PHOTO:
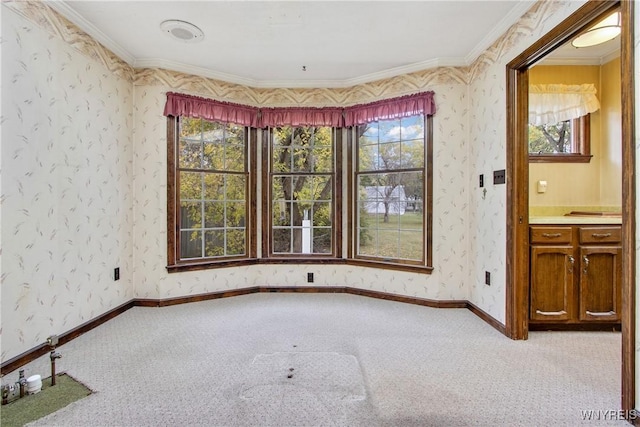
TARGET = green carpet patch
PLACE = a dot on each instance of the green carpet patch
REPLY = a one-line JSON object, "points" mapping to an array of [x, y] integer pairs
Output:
{"points": [[50, 399]]}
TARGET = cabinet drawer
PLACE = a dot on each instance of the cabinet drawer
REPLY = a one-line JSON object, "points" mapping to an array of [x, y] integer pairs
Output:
{"points": [[600, 234], [552, 235]]}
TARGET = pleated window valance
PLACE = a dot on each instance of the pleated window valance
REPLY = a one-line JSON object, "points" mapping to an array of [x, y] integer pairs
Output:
{"points": [[554, 103], [193, 106], [394, 108]]}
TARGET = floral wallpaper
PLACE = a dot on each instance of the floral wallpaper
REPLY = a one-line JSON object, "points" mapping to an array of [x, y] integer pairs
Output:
{"points": [[487, 144], [67, 186]]}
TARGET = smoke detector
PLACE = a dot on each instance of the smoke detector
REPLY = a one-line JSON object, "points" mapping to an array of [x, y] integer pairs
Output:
{"points": [[182, 31]]}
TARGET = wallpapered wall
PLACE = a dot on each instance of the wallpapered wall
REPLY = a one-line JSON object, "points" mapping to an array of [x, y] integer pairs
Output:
{"points": [[84, 180], [450, 213], [67, 186], [488, 153]]}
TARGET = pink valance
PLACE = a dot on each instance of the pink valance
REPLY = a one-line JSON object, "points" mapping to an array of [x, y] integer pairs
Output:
{"points": [[403, 106], [272, 117], [193, 106]]}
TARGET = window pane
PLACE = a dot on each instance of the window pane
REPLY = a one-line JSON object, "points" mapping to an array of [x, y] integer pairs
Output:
{"points": [[213, 132], [189, 154], [367, 240], [412, 127], [213, 214], [368, 158], [235, 134], [282, 240], [190, 185], [214, 243], [235, 187], [389, 156], [190, 215], [550, 138], [322, 188], [322, 159], [235, 242], [190, 128], [389, 130], [388, 243], [235, 214], [213, 186], [321, 240], [234, 158], [411, 246], [412, 154], [213, 156], [281, 213], [281, 160], [320, 214], [190, 244]]}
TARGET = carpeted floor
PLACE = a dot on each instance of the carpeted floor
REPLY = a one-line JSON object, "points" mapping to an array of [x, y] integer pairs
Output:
{"points": [[331, 360]]}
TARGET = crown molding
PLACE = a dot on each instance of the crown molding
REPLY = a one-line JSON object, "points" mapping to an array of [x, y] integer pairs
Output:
{"points": [[63, 8], [595, 60], [499, 30], [68, 12], [610, 57], [275, 84]]}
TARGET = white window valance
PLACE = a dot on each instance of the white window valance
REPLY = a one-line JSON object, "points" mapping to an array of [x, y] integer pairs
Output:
{"points": [[553, 103]]}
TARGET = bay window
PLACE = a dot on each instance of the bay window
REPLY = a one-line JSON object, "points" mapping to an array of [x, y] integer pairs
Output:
{"points": [[215, 216]]}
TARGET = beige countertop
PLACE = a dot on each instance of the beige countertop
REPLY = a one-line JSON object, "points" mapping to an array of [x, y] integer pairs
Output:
{"points": [[577, 220]]}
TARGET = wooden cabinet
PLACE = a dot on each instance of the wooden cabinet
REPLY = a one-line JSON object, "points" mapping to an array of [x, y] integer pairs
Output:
{"points": [[575, 274]]}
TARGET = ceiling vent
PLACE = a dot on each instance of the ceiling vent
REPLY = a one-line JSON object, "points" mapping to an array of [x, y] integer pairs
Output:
{"points": [[182, 31]]}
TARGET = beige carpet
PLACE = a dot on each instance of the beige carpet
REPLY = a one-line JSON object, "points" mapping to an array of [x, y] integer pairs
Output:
{"points": [[331, 360]]}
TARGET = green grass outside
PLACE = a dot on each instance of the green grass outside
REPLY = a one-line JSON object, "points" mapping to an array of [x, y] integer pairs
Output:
{"points": [[401, 237]]}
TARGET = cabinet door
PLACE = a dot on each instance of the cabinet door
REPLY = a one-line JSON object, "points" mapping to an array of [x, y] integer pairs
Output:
{"points": [[600, 276], [551, 283]]}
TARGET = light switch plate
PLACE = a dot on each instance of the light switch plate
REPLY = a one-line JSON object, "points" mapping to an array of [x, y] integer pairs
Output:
{"points": [[542, 186]]}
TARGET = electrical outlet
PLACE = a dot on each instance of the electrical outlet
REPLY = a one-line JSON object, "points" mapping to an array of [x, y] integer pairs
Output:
{"points": [[499, 177], [481, 180], [487, 278], [116, 273], [309, 277]]}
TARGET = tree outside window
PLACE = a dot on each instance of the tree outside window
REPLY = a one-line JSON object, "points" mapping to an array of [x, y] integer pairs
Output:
{"points": [[212, 177], [390, 186], [566, 141], [302, 190]]}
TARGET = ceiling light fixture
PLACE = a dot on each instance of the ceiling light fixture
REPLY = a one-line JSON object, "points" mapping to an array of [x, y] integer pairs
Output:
{"points": [[605, 30], [182, 31]]}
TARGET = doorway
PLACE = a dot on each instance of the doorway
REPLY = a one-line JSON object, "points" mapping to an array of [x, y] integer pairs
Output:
{"points": [[517, 288]]}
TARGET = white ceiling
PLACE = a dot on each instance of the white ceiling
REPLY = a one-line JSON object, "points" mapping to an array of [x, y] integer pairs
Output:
{"points": [[267, 43]]}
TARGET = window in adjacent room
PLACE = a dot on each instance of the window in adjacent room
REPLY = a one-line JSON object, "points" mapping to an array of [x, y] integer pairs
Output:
{"points": [[568, 140], [560, 122], [390, 188]]}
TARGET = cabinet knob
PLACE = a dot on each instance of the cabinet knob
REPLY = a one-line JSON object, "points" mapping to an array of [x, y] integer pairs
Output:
{"points": [[572, 261], [585, 261]]}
